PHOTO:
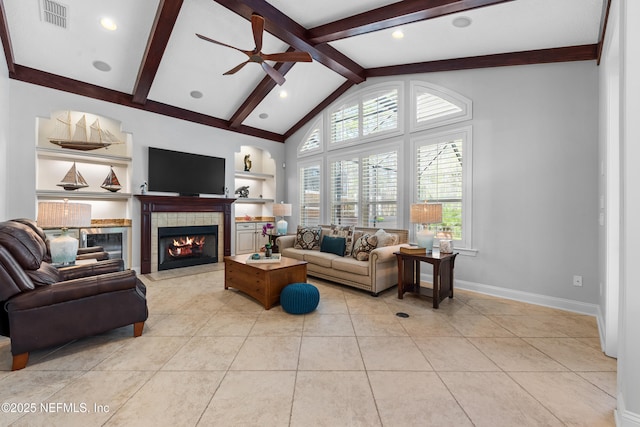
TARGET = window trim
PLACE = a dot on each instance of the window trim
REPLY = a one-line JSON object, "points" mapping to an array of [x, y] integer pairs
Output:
{"points": [[466, 132], [453, 97], [360, 96]]}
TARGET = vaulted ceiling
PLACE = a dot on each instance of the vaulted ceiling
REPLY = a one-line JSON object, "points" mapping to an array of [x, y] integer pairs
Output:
{"points": [[154, 61]]}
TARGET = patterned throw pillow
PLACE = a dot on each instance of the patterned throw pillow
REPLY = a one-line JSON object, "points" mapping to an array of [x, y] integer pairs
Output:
{"points": [[345, 231], [386, 239], [307, 237], [364, 245]]}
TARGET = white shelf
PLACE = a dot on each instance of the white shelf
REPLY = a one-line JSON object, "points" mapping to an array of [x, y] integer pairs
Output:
{"points": [[253, 175], [251, 200], [83, 156], [89, 195]]}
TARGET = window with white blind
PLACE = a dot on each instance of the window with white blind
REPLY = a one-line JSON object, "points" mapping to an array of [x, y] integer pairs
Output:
{"points": [[310, 182], [311, 143], [433, 106], [372, 113], [364, 190], [380, 190], [442, 173], [344, 189]]}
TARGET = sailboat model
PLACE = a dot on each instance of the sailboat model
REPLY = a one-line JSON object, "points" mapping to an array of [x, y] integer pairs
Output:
{"points": [[73, 180], [111, 182], [76, 137]]}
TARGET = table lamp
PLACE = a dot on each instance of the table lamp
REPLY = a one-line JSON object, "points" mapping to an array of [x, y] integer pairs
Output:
{"points": [[282, 209], [64, 215], [425, 214]]}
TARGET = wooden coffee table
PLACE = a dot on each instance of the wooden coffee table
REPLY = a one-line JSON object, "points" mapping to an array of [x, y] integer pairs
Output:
{"points": [[263, 282]]}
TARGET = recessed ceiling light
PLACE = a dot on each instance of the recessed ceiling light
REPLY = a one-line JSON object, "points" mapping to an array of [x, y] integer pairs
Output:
{"points": [[283, 94], [461, 22], [196, 94], [397, 34], [108, 24], [102, 66], [263, 115]]}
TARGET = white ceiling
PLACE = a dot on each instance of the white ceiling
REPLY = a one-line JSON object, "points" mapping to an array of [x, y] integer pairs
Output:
{"points": [[191, 64]]}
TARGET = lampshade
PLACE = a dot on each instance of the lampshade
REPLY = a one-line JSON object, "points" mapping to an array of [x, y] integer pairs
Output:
{"points": [[426, 213], [64, 214], [281, 209], [64, 248]]}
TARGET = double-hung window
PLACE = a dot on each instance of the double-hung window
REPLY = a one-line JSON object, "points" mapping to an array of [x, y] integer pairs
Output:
{"points": [[363, 189], [310, 181], [442, 173]]}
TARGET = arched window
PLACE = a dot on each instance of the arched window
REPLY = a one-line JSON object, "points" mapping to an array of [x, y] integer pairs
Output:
{"points": [[433, 106], [312, 142]]}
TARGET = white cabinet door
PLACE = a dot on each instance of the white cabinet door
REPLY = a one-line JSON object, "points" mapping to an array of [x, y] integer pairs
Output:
{"points": [[245, 238]]}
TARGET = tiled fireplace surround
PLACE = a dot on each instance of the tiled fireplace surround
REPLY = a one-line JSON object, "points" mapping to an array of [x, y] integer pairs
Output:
{"points": [[167, 211]]}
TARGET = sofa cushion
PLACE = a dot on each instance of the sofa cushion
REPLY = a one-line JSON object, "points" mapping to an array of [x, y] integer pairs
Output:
{"points": [[364, 245], [333, 245], [307, 237], [351, 265], [45, 275], [293, 253], [23, 244], [320, 258], [386, 239], [347, 232]]}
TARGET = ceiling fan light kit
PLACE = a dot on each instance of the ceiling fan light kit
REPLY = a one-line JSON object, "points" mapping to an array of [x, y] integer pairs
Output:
{"points": [[256, 55]]}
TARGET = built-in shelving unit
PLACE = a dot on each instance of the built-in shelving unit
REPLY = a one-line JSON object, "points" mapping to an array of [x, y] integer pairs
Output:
{"points": [[53, 162], [260, 179]]}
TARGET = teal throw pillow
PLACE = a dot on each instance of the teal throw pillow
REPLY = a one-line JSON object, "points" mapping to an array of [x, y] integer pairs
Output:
{"points": [[333, 245]]}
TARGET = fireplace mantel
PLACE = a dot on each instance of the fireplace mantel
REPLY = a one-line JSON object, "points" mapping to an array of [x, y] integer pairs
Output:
{"points": [[150, 204]]}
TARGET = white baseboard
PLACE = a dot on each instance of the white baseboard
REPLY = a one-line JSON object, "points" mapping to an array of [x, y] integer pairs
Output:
{"points": [[623, 417], [528, 297]]}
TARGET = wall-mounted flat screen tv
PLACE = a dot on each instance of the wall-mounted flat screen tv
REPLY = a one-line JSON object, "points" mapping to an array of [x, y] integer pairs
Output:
{"points": [[185, 173]]}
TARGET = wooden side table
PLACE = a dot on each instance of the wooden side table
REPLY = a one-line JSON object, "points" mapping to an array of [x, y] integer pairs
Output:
{"points": [[409, 274]]}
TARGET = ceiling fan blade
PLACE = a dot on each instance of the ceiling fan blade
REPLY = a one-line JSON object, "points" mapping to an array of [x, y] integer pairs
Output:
{"points": [[288, 57], [273, 73], [248, 53], [257, 26], [236, 68]]}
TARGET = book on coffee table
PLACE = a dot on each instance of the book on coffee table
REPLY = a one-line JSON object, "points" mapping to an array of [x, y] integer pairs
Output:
{"points": [[263, 259]]}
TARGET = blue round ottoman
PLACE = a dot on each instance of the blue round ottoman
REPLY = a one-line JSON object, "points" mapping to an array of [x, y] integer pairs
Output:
{"points": [[299, 298]]}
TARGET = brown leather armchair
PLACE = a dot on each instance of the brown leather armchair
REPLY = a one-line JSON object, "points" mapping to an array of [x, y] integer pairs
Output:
{"points": [[43, 306]]}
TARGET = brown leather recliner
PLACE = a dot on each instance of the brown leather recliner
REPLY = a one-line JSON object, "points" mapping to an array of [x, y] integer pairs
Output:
{"points": [[43, 306]]}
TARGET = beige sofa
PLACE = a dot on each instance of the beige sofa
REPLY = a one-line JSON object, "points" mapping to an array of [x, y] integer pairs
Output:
{"points": [[380, 272]]}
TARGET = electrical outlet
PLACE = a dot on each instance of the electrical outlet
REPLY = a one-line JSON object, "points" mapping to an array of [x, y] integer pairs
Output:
{"points": [[577, 280]]}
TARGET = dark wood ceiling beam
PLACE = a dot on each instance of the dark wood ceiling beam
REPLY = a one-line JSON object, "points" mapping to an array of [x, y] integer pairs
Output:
{"points": [[541, 56], [393, 15], [6, 40], [292, 33], [603, 27], [318, 109], [41, 78], [259, 93], [163, 24]]}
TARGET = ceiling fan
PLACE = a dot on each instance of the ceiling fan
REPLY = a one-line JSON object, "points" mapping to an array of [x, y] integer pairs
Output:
{"points": [[256, 55]]}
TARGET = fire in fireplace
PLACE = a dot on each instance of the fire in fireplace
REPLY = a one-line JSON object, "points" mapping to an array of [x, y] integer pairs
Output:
{"points": [[187, 246]]}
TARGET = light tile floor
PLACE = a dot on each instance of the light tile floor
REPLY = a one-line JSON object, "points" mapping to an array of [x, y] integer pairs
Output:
{"points": [[211, 357]]}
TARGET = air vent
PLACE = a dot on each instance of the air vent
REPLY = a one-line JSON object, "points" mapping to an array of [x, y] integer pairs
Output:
{"points": [[54, 13]]}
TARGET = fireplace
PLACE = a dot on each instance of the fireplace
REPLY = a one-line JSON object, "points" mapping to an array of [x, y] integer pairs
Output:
{"points": [[169, 211], [187, 246]]}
